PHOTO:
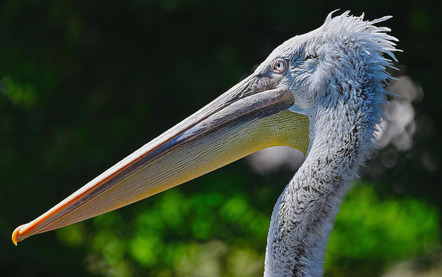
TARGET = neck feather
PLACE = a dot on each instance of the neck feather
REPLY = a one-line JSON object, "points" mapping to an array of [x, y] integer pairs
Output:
{"points": [[304, 213]]}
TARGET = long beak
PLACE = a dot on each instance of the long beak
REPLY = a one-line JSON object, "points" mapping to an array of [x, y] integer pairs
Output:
{"points": [[245, 119]]}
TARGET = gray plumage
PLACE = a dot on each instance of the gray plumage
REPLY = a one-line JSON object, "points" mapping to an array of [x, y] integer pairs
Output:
{"points": [[336, 74]]}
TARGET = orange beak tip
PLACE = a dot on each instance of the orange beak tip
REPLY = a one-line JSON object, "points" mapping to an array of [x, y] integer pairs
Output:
{"points": [[15, 235]]}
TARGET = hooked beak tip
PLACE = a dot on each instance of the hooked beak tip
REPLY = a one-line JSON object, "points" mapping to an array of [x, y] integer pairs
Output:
{"points": [[16, 234]]}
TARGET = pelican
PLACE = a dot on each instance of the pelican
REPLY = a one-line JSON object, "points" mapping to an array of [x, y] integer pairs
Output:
{"points": [[321, 93]]}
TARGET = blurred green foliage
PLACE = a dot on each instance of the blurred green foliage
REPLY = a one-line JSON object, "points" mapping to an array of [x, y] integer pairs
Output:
{"points": [[370, 234], [84, 83], [183, 236]]}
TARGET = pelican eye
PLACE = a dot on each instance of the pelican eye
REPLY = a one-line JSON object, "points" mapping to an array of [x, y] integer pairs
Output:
{"points": [[279, 66]]}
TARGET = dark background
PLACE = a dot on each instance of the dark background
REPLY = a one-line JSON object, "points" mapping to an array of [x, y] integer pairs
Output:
{"points": [[84, 83]]}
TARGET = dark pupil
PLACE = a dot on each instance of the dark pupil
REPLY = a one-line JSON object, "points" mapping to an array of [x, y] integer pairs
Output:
{"points": [[279, 65]]}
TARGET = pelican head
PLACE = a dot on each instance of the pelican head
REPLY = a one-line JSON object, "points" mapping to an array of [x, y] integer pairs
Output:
{"points": [[319, 93]]}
